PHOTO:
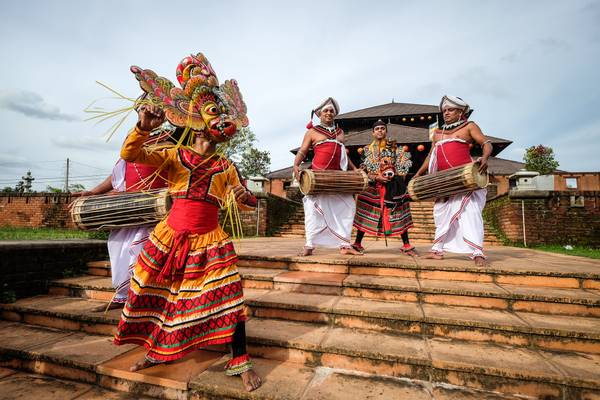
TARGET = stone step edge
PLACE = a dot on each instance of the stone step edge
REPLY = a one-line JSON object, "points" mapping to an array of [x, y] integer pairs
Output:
{"points": [[139, 387], [467, 267], [397, 289], [475, 371], [331, 314]]}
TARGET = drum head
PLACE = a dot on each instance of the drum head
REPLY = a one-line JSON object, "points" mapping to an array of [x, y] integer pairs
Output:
{"points": [[306, 181], [481, 180]]}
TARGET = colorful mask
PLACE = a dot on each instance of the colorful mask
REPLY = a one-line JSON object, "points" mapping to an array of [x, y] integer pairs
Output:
{"points": [[201, 104], [387, 159]]}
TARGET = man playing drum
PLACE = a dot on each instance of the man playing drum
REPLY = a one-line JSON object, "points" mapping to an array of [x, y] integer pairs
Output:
{"points": [[125, 244], [327, 217], [383, 209], [458, 219]]}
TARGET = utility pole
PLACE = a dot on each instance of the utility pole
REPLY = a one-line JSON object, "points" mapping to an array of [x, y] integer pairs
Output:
{"points": [[67, 177]]}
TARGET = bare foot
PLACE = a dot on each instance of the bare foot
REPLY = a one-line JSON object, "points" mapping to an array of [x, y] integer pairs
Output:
{"points": [[433, 256], [251, 380], [350, 251], [141, 365], [358, 247], [307, 251], [410, 252], [110, 306], [480, 261]]}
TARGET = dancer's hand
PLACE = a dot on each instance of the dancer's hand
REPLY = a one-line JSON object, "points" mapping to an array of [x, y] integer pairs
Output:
{"points": [[150, 117], [240, 193]]}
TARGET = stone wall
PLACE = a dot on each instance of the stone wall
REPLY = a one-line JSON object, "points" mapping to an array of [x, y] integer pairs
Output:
{"points": [[26, 267], [557, 217]]}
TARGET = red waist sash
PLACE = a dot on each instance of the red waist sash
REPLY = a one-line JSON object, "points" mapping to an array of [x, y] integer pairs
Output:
{"points": [[187, 217], [452, 154], [327, 156]]}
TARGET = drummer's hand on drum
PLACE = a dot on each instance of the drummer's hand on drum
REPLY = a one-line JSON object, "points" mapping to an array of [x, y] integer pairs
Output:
{"points": [[483, 161], [240, 193], [150, 117], [82, 193], [297, 172]]}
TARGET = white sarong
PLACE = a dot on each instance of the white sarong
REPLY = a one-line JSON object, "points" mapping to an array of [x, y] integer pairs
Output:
{"points": [[328, 218], [458, 220], [125, 244]]}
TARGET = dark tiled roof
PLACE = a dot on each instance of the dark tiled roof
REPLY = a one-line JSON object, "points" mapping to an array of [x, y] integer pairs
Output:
{"points": [[405, 135], [501, 166], [401, 134], [286, 173], [389, 110]]}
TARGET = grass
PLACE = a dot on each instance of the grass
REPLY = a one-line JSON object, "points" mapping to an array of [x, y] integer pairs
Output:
{"points": [[576, 251], [9, 233]]}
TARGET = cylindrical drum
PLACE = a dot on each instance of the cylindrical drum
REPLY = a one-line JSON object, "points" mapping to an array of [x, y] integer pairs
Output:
{"points": [[114, 211], [319, 181], [462, 179]]}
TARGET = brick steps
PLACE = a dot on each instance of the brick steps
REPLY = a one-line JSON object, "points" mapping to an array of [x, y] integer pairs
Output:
{"points": [[528, 324], [92, 358], [521, 329], [86, 358], [427, 291], [393, 264]]}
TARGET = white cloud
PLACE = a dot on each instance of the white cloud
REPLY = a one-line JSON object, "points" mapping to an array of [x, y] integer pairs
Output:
{"points": [[32, 105]]}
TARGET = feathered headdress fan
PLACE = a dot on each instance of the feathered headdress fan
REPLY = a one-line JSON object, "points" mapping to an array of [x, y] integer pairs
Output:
{"points": [[199, 86]]}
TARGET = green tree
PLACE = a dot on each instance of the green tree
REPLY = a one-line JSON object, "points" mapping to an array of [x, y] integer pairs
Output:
{"points": [[540, 158], [241, 150], [76, 187], [255, 162], [8, 189], [20, 188], [238, 145], [52, 189]]}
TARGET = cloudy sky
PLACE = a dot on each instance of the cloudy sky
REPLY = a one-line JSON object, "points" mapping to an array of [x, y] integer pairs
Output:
{"points": [[529, 68]]}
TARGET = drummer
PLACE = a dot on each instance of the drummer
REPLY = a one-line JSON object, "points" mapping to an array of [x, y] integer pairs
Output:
{"points": [[383, 209], [327, 217], [458, 218], [125, 244]]}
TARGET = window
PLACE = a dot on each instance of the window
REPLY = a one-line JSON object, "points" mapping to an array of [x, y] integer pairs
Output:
{"points": [[571, 183]]}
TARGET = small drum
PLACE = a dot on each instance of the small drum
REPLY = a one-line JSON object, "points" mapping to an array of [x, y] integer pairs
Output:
{"points": [[319, 181], [114, 211], [462, 179]]}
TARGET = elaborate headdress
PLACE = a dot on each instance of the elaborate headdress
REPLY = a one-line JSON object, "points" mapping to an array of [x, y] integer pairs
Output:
{"points": [[454, 102], [379, 123], [328, 102], [200, 104]]}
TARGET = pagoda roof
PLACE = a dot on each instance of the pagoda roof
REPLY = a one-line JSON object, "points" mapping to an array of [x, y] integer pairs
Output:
{"points": [[390, 110], [403, 134]]}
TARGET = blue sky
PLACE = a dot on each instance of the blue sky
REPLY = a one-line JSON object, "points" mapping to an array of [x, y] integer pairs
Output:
{"points": [[530, 69]]}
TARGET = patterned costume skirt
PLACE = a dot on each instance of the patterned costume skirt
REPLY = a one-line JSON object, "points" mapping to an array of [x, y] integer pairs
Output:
{"points": [[196, 305], [369, 214]]}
